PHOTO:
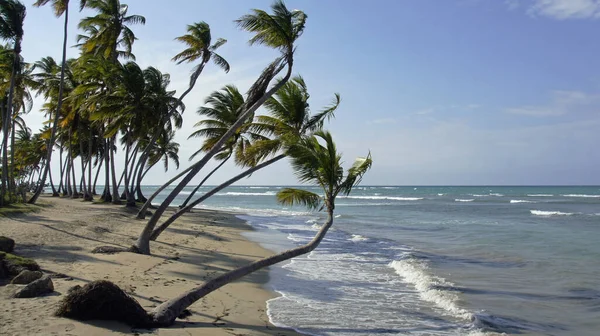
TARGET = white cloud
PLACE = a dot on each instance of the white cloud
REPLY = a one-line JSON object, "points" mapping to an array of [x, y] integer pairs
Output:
{"points": [[563, 102], [563, 9]]}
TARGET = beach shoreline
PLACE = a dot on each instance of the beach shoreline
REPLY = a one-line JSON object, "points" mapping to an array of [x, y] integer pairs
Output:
{"points": [[199, 246]]}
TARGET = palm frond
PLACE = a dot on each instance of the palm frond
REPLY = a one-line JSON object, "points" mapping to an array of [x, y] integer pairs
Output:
{"points": [[292, 196]]}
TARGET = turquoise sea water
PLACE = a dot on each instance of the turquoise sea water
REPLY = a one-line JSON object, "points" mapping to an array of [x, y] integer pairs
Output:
{"points": [[434, 260]]}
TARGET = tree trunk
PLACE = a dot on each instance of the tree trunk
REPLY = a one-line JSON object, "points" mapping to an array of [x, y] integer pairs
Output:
{"points": [[189, 198], [90, 192], [97, 174], [55, 193], [58, 108], [166, 313], [74, 182], [215, 190], [61, 170], [143, 243], [106, 196], [142, 213], [115, 187], [130, 201]]}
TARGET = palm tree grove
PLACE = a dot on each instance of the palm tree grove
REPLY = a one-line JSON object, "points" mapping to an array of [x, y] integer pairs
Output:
{"points": [[75, 196]]}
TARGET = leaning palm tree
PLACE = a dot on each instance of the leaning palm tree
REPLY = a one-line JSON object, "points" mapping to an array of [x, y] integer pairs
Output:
{"points": [[313, 162], [280, 31], [60, 7], [289, 119], [316, 161]]}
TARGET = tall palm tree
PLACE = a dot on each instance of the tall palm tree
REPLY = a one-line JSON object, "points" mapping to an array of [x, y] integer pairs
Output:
{"points": [[108, 30], [12, 16], [288, 121], [315, 160], [279, 30], [60, 7]]}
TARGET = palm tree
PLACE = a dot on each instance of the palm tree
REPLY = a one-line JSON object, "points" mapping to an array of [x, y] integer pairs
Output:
{"points": [[288, 121], [60, 7], [198, 41], [12, 15], [279, 30], [108, 30], [220, 116], [315, 160]]}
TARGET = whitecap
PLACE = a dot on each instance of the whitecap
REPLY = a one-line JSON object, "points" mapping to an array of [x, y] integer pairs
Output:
{"points": [[394, 198], [463, 200], [496, 194], [521, 201], [415, 272], [440, 194], [540, 195], [357, 238], [232, 193], [582, 196], [550, 213]]}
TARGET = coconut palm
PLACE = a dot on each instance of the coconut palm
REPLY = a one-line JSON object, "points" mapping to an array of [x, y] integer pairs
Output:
{"points": [[12, 15], [222, 112], [198, 41], [279, 30], [108, 30], [61, 7], [315, 160], [288, 121]]}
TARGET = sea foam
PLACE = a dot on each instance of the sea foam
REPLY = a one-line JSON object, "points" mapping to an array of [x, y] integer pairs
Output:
{"points": [[416, 273], [395, 198], [550, 213], [463, 200], [231, 193], [521, 201], [582, 196]]}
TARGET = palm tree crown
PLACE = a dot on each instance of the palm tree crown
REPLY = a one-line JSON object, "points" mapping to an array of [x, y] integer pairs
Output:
{"points": [[321, 164]]}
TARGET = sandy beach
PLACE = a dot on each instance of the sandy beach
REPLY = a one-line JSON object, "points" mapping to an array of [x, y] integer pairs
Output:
{"points": [[61, 236]]}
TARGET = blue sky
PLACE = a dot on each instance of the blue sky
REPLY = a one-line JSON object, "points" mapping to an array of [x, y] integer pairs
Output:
{"points": [[440, 92]]}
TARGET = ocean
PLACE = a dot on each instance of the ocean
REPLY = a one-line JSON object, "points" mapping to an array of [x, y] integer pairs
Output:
{"points": [[433, 260]]}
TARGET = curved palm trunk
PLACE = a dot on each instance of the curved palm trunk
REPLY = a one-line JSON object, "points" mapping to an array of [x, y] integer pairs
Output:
{"points": [[106, 196], [97, 174], [142, 213], [189, 198], [58, 108], [130, 201], [61, 170], [166, 313], [55, 192], [115, 187], [143, 242], [204, 197]]}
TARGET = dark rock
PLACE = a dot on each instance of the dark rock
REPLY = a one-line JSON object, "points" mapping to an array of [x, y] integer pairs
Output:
{"points": [[3, 272], [6, 244], [15, 264], [37, 288], [26, 277]]}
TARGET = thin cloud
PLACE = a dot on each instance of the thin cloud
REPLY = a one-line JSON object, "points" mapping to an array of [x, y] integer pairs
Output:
{"points": [[562, 103], [562, 9]]}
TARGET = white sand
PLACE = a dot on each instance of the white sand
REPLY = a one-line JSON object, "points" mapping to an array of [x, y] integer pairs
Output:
{"points": [[61, 236]]}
